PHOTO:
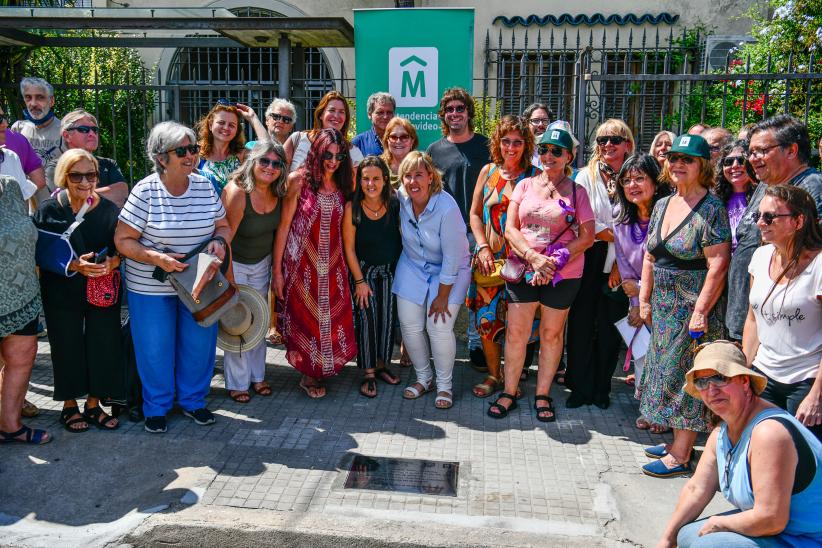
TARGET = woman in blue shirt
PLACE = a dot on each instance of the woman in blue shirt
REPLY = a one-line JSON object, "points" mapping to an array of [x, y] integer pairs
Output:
{"points": [[763, 460], [432, 275]]}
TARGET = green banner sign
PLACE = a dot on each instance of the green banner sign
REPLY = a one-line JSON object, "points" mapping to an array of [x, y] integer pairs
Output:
{"points": [[413, 54]]}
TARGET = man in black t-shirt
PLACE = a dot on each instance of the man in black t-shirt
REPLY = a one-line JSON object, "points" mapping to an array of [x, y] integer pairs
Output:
{"points": [[79, 130], [461, 153]]}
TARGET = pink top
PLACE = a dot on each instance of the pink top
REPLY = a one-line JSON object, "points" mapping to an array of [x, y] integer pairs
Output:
{"points": [[541, 220]]}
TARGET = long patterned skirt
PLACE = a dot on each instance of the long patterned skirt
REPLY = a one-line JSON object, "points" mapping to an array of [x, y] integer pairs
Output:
{"points": [[374, 325], [664, 401], [316, 321]]}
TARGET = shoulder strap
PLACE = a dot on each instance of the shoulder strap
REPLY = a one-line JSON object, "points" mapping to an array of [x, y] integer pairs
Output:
{"points": [[574, 203], [78, 218]]}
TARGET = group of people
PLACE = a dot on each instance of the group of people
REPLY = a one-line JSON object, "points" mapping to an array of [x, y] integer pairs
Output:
{"points": [[352, 238]]}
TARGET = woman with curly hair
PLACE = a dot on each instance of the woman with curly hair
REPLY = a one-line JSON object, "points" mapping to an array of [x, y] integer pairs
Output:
{"points": [[735, 182], [310, 274], [221, 137]]}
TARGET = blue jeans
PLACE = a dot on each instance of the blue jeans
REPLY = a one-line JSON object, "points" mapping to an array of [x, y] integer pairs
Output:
{"points": [[474, 340], [174, 354], [688, 537]]}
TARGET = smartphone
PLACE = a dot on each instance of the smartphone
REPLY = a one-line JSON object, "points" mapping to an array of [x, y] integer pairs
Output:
{"points": [[101, 257]]}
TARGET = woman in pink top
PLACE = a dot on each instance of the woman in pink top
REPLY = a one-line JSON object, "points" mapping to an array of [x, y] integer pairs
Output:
{"points": [[550, 224]]}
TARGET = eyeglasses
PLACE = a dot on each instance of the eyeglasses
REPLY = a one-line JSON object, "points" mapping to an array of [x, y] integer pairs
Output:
{"points": [[77, 177], [717, 380], [628, 181], [85, 129], [767, 217], [614, 139], [539, 121], [273, 164], [401, 138], [728, 161], [182, 151], [226, 103], [280, 118], [515, 143], [458, 108], [555, 151], [761, 152], [340, 156], [674, 158]]}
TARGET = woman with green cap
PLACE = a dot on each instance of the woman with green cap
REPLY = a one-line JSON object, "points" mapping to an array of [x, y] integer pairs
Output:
{"points": [[683, 276], [762, 459]]}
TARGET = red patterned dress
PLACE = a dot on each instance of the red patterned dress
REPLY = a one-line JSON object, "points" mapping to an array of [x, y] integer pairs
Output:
{"points": [[317, 322]]}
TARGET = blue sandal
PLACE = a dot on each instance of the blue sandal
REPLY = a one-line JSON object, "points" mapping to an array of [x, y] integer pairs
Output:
{"points": [[658, 469], [33, 436]]}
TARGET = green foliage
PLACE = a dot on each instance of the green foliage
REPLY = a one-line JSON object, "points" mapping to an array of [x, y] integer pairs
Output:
{"points": [[487, 111], [74, 73], [789, 39]]}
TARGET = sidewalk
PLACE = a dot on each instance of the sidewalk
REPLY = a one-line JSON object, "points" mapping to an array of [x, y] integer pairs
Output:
{"points": [[271, 472]]}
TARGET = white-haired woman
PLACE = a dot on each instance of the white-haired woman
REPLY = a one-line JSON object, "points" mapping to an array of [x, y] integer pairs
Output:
{"points": [[280, 118], [168, 214], [252, 204]]}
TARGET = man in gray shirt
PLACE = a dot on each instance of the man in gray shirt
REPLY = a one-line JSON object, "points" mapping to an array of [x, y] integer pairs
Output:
{"points": [[779, 152]]}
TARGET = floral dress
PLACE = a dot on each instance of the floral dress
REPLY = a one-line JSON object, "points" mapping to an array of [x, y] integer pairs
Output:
{"points": [[316, 318], [679, 274], [491, 303], [218, 172]]}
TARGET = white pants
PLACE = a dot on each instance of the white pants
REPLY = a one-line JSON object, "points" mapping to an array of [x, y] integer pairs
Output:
{"points": [[242, 369], [415, 324], [639, 366]]}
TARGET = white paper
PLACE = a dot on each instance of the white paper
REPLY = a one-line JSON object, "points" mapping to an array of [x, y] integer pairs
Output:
{"points": [[639, 339]]}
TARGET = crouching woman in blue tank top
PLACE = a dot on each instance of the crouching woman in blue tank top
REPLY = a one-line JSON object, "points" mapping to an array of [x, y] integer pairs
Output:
{"points": [[765, 462]]}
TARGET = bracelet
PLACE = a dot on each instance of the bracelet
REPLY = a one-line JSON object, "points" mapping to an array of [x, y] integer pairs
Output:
{"points": [[360, 281], [525, 255], [481, 247]]}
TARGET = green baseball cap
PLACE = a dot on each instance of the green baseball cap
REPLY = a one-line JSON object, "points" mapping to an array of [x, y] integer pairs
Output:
{"points": [[691, 145], [558, 137]]}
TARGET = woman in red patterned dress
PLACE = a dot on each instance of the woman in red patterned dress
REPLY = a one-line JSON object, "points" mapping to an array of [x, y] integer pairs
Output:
{"points": [[310, 275]]}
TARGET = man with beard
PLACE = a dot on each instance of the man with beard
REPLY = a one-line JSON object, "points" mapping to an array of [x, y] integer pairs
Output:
{"points": [[381, 107], [30, 163], [41, 127], [779, 152]]}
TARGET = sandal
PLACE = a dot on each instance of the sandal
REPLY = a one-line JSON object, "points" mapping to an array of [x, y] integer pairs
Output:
{"points": [[411, 391], [33, 436], [100, 419], [642, 423], [502, 411], [368, 386], [559, 377], [240, 396], [68, 423], [274, 337], [315, 385], [486, 387], [540, 409], [29, 410], [262, 388], [444, 400], [387, 376], [659, 428]]}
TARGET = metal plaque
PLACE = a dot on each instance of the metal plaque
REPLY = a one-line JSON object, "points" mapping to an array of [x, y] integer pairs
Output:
{"points": [[417, 476]]}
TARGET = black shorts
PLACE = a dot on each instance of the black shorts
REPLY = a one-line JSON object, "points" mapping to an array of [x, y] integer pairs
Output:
{"points": [[28, 329], [558, 297]]}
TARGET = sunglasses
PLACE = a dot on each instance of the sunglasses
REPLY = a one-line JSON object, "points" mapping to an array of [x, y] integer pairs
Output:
{"points": [[717, 380], [281, 118], [77, 177], [768, 218], [555, 151], [728, 161], [182, 151], [516, 143], [613, 139], [674, 158], [340, 156], [401, 138], [226, 103], [273, 164], [451, 110], [85, 129]]}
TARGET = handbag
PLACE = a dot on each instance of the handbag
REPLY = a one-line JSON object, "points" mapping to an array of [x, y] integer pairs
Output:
{"points": [[514, 268], [54, 251], [103, 291], [493, 279], [206, 299]]}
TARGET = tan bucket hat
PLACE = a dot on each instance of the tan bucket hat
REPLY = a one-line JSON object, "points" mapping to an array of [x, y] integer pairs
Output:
{"points": [[727, 359], [244, 325]]}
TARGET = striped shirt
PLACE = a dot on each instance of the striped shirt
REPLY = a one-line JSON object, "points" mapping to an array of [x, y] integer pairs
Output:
{"points": [[168, 223]]}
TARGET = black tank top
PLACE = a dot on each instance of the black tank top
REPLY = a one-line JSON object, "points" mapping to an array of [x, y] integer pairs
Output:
{"points": [[379, 242]]}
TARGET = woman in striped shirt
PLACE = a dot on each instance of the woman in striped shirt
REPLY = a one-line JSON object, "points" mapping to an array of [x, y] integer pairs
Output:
{"points": [[168, 214]]}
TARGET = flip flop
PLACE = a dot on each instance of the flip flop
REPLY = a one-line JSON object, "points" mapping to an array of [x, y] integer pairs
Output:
{"points": [[368, 384], [307, 388], [262, 388], [240, 396]]}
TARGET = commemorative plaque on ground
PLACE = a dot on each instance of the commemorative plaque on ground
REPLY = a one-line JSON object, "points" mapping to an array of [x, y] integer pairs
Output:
{"points": [[417, 476]]}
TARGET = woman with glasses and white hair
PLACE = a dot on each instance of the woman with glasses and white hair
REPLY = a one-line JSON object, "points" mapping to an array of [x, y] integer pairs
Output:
{"points": [[252, 202], [280, 119], [761, 458], [168, 214]]}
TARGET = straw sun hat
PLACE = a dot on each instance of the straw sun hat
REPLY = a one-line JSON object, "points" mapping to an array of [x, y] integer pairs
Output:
{"points": [[727, 359]]}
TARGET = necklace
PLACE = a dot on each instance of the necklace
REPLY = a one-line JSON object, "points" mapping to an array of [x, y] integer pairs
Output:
{"points": [[374, 212], [639, 231]]}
